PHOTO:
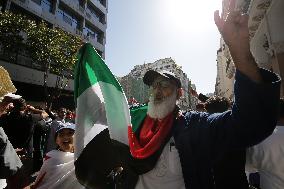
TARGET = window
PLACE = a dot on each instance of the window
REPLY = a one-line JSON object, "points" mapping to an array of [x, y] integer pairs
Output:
{"points": [[96, 14], [103, 2], [89, 32], [37, 2], [68, 18], [47, 5]]}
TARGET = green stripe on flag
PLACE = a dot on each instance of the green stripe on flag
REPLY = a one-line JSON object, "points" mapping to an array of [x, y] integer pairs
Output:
{"points": [[90, 69], [138, 115]]}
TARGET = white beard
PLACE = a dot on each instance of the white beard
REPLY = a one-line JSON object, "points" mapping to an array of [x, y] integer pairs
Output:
{"points": [[162, 109]]}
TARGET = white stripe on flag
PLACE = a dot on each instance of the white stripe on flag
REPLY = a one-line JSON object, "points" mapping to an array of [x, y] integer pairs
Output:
{"points": [[99, 107], [89, 111]]}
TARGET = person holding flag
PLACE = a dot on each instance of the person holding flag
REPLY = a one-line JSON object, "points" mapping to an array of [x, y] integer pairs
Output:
{"points": [[158, 146]]}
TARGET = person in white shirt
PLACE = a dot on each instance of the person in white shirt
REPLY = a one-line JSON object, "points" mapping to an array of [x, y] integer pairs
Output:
{"points": [[267, 157], [58, 170]]}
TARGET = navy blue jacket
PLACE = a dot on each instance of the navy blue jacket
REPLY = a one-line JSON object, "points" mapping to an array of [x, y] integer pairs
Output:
{"points": [[200, 136]]}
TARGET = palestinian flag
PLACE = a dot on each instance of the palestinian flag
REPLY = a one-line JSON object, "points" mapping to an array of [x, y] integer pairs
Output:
{"points": [[103, 125], [102, 120], [100, 101]]}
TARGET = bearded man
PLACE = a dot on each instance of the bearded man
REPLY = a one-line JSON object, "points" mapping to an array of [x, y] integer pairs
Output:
{"points": [[173, 149]]}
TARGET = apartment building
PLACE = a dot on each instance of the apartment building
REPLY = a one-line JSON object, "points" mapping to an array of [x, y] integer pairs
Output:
{"points": [[86, 19], [266, 28]]}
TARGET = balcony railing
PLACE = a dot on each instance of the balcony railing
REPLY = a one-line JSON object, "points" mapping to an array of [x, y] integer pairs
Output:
{"points": [[67, 19], [99, 5]]}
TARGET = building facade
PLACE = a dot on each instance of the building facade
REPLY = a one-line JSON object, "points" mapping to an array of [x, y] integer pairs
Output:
{"points": [[225, 72], [266, 30], [86, 19], [139, 71]]}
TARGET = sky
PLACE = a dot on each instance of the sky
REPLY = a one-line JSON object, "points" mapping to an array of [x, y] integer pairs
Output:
{"points": [[143, 31]]}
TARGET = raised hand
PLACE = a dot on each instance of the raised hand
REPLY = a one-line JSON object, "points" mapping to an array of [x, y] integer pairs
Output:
{"points": [[234, 30]]}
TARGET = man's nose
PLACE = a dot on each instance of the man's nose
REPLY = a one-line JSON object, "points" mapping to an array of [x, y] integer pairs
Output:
{"points": [[157, 91], [158, 87]]}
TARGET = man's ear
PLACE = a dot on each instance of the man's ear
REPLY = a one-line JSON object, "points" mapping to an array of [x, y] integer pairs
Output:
{"points": [[179, 93]]}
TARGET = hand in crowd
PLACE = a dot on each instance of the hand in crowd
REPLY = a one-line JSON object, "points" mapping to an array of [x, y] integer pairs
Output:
{"points": [[235, 32], [234, 28], [30, 107], [5, 105], [21, 153]]}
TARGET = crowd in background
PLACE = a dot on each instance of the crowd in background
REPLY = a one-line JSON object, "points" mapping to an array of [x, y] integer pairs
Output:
{"points": [[31, 131]]}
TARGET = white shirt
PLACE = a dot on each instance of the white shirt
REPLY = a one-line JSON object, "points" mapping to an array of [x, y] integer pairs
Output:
{"points": [[58, 172], [268, 158], [3, 183], [167, 173]]}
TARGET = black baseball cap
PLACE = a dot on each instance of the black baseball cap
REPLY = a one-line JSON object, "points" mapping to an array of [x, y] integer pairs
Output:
{"points": [[151, 75]]}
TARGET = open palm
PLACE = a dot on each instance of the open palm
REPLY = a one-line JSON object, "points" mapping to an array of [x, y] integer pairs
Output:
{"points": [[234, 29]]}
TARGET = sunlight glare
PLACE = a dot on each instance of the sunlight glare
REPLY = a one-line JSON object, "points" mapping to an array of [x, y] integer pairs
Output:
{"points": [[186, 14]]}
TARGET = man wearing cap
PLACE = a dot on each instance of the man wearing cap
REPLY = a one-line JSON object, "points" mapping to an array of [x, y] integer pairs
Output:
{"points": [[173, 149], [178, 149]]}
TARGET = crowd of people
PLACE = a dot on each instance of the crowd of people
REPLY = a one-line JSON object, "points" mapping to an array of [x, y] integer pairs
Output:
{"points": [[31, 134]]}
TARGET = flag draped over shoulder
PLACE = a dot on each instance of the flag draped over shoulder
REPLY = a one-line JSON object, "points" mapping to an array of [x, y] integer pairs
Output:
{"points": [[100, 101]]}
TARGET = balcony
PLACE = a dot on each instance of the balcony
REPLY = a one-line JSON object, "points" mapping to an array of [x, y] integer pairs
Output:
{"points": [[64, 22], [48, 16], [95, 20], [22, 3], [72, 4], [75, 6], [92, 15], [94, 41], [100, 6]]}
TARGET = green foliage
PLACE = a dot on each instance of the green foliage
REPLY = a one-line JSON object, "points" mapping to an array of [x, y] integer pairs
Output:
{"points": [[12, 28], [54, 49], [51, 48]]}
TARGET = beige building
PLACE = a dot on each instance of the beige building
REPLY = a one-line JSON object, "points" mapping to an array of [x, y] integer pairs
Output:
{"points": [[266, 27], [225, 72]]}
